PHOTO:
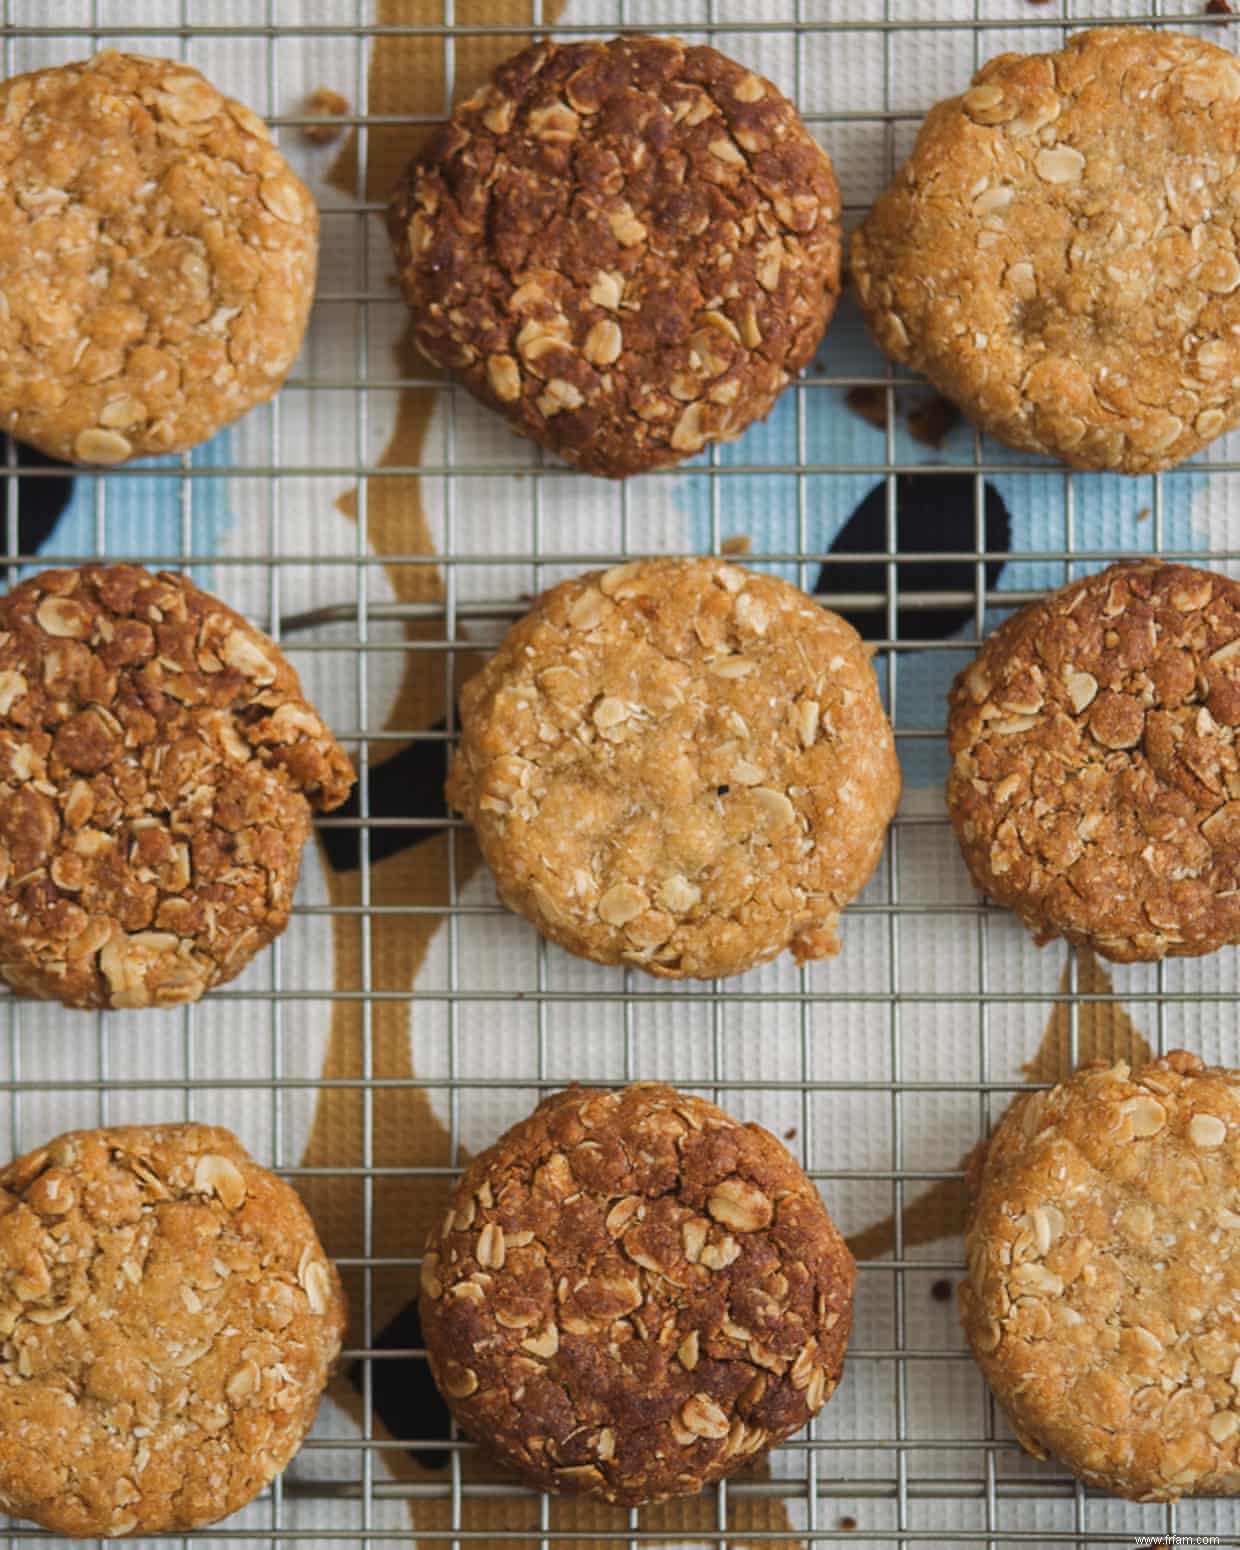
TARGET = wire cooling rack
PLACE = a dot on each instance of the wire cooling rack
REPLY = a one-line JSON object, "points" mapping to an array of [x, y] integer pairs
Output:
{"points": [[880, 1070]]}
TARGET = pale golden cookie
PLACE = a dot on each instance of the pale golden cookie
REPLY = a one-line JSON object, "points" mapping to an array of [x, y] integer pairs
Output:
{"points": [[627, 247], [633, 1295], [680, 765], [157, 259], [1095, 779], [1060, 252], [168, 1322], [1103, 1295], [158, 771]]}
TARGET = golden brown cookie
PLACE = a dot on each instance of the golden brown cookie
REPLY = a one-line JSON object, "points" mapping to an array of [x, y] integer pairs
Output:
{"points": [[1102, 1300], [632, 1294], [627, 248], [678, 764], [168, 1321], [157, 259], [1059, 254], [158, 770], [1095, 780]]}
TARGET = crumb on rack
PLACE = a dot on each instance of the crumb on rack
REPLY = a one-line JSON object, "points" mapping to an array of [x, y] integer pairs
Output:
{"points": [[869, 404], [941, 1290], [1144, 514], [1218, 8], [739, 543], [930, 421], [328, 104]]}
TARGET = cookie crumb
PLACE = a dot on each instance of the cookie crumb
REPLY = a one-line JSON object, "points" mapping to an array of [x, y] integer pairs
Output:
{"points": [[1144, 514], [869, 404], [739, 543], [933, 420], [329, 104], [1218, 8], [791, 1133], [848, 1524], [941, 1291]]}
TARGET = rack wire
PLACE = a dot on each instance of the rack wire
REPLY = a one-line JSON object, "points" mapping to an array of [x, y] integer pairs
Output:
{"points": [[886, 1066]]}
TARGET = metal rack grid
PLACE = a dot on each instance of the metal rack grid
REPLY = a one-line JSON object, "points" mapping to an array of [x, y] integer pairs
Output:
{"points": [[816, 1481]]}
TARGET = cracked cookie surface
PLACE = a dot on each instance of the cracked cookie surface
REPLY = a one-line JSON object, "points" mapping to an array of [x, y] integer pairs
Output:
{"points": [[627, 248], [158, 767], [1095, 779], [157, 259], [632, 1295], [678, 764], [1102, 1300], [168, 1321], [1060, 254]]}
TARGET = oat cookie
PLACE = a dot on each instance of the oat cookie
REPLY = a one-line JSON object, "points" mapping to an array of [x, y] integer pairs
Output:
{"points": [[1060, 256], [627, 248], [157, 260], [1095, 781], [632, 1294], [678, 764], [168, 1320], [1102, 1300], [158, 768]]}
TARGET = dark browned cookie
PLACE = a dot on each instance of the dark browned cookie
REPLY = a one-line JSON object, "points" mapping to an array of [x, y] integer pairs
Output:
{"points": [[632, 1294], [1095, 781], [168, 1321], [158, 769], [627, 248]]}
